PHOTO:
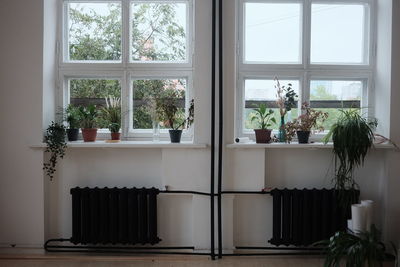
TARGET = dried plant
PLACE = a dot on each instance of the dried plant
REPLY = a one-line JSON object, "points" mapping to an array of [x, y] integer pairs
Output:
{"points": [[310, 119], [168, 110], [285, 97]]}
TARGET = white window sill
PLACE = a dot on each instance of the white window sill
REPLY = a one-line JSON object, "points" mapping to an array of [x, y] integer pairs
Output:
{"points": [[311, 146], [128, 144]]}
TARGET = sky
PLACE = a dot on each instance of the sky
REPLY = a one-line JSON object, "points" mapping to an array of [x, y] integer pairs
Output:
{"points": [[273, 33]]}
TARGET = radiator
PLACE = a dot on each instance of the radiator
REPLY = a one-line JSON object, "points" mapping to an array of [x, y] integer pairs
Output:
{"points": [[302, 217], [114, 216]]}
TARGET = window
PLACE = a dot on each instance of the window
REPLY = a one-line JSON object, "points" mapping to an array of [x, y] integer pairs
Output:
{"points": [[332, 95], [93, 31], [272, 32], [93, 91], [262, 91], [128, 49], [323, 48]]}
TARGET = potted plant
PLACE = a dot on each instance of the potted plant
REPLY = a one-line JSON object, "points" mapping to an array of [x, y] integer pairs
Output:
{"points": [[72, 118], [88, 122], [263, 117], [112, 116], [362, 250], [173, 115], [352, 136], [302, 126], [285, 101], [56, 145]]}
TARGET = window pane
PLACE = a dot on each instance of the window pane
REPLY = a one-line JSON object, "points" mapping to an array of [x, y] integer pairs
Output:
{"points": [[144, 91], [337, 33], [330, 96], [159, 31], [94, 31], [272, 32], [85, 92], [264, 91]]}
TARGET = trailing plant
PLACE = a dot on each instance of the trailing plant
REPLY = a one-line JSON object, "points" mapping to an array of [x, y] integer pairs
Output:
{"points": [[72, 116], [363, 249], [56, 145], [308, 120], [111, 114], [285, 97], [352, 136], [168, 110], [263, 116], [88, 117]]}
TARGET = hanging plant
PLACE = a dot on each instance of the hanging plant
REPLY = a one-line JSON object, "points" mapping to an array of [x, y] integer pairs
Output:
{"points": [[56, 145], [352, 136]]}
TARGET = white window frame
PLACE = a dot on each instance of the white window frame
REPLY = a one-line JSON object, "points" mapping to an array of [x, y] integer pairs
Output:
{"points": [[126, 69], [305, 71]]}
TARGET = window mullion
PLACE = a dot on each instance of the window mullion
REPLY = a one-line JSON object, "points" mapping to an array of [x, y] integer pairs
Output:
{"points": [[125, 33], [125, 104], [306, 38]]}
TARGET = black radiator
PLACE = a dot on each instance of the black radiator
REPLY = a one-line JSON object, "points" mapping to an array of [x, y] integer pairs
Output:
{"points": [[114, 216], [302, 217]]}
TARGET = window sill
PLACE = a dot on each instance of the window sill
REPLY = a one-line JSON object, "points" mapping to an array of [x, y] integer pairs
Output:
{"points": [[128, 144], [295, 145]]}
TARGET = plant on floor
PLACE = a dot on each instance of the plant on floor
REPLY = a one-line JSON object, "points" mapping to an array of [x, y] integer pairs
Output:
{"points": [[352, 136], [363, 249], [286, 101], [56, 145], [263, 117], [88, 122], [302, 126], [111, 114], [71, 116]]}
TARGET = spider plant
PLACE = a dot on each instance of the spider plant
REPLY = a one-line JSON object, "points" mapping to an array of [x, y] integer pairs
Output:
{"points": [[112, 114], [263, 116], [363, 249], [352, 137]]}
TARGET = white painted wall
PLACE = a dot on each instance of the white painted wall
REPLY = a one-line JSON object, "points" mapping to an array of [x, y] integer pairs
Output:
{"points": [[21, 105], [26, 81]]}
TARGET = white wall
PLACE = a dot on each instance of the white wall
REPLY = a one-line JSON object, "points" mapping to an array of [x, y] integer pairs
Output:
{"points": [[26, 81], [21, 92]]}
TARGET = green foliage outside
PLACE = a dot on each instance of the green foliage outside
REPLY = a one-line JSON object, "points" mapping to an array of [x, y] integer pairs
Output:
{"points": [[157, 34]]}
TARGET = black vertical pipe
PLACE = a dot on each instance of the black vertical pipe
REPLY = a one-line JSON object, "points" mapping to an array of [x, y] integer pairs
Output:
{"points": [[221, 126], [212, 178]]}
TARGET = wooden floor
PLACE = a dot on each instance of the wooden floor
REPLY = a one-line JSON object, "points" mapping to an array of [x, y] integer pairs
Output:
{"points": [[37, 258]]}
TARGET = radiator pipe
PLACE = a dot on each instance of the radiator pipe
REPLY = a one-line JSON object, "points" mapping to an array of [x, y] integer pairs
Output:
{"points": [[280, 248], [212, 163], [185, 192], [221, 127], [246, 192]]}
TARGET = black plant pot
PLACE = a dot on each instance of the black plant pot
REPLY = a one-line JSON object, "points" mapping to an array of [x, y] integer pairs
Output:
{"points": [[303, 136], [72, 134], [175, 136]]}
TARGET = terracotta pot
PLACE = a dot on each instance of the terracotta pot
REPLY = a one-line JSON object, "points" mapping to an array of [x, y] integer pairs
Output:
{"points": [[263, 136], [303, 136], [115, 136], [175, 136], [89, 135]]}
